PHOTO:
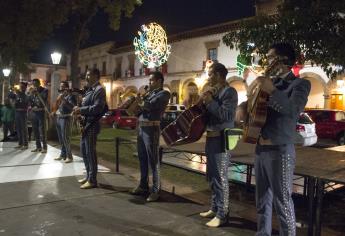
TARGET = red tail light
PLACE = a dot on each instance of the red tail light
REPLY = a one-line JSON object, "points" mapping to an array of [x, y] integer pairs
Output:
{"points": [[300, 128]]}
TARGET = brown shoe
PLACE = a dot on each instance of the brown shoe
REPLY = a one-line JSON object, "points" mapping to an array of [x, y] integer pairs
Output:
{"points": [[58, 158], [88, 185], [44, 150]]}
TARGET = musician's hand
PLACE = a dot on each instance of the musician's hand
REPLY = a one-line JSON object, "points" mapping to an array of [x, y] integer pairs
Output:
{"points": [[265, 84], [76, 110], [207, 97], [241, 113]]}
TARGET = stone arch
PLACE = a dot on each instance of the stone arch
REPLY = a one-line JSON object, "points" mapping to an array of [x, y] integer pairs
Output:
{"points": [[129, 91], [167, 87], [115, 97], [241, 87], [190, 93], [184, 88], [319, 92]]}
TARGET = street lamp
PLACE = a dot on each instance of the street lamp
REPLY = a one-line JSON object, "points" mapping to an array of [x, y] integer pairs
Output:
{"points": [[56, 57], [6, 72], [55, 77]]}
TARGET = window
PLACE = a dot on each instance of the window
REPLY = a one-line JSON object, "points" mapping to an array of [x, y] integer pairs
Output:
{"points": [[321, 116], [104, 68], [212, 54], [305, 119]]}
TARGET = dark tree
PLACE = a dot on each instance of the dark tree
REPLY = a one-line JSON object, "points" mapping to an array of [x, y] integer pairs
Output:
{"points": [[316, 28]]}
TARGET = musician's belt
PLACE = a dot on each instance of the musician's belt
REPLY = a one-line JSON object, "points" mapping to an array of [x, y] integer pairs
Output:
{"points": [[149, 123], [63, 115], [263, 141], [21, 109], [211, 134], [37, 109]]}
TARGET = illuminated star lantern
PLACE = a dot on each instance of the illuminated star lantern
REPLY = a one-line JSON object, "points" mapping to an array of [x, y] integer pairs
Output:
{"points": [[151, 47]]}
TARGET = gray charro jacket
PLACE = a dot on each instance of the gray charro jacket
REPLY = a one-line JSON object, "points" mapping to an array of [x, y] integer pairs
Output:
{"points": [[93, 102], [221, 111], [284, 106], [154, 105]]}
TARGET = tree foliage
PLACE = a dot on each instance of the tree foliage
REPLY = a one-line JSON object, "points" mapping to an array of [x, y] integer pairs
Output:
{"points": [[315, 28], [82, 11], [23, 25]]}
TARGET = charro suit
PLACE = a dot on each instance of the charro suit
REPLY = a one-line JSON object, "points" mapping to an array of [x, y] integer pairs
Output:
{"points": [[91, 108], [275, 163], [39, 116], [148, 137], [221, 115]]}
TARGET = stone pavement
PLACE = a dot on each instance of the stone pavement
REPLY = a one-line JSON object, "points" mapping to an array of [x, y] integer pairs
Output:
{"points": [[40, 196]]}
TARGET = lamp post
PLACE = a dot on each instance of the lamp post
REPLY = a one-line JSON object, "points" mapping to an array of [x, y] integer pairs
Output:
{"points": [[6, 72], [55, 77]]}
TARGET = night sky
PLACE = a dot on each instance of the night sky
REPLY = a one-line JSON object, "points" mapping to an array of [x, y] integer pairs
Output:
{"points": [[174, 15]]}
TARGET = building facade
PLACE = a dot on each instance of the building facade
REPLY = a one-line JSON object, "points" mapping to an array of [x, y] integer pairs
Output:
{"points": [[123, 74]]}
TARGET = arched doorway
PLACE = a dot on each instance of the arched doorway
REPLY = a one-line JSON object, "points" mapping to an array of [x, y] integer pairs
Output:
{"points": [[316, 98], [241, 87], [191, 94]]}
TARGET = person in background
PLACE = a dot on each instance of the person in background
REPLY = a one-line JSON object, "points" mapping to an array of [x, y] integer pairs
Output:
{"points": [[38, 100], [21, 103], [7, 119]]}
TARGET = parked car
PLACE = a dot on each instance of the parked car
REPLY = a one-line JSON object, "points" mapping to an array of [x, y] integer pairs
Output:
{"points": [[330, 124], [119, 118], [171, 113], [305, 128]]}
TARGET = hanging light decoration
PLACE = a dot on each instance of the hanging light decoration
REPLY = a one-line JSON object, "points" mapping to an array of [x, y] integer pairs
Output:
{"points": [[151, 47]]}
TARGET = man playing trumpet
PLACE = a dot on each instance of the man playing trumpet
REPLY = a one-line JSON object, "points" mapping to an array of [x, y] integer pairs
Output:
{"points": [[153, 107], [63, 110]]}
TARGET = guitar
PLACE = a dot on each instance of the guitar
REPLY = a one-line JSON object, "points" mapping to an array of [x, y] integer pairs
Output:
{"points": [[190, 125], [257, 106], [187, 128]]}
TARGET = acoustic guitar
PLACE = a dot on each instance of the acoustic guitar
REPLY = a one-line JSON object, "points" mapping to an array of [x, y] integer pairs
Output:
{"points": [[257, 106]]}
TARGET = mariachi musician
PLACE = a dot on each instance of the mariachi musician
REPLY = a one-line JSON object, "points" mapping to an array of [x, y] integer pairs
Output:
{"points": [[63, 112], [275, 151], [21, 103], [91, 110], [38, 100], [153, 106], [220, 102]]}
